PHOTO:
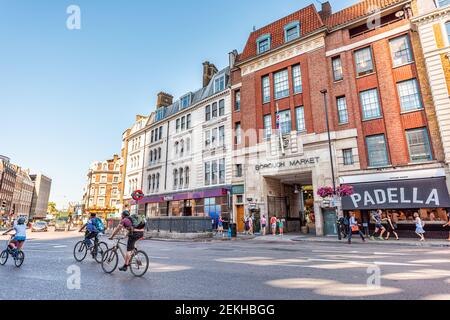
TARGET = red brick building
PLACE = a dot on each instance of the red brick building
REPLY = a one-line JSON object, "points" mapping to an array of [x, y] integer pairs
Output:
{"points": [[366, 62]]}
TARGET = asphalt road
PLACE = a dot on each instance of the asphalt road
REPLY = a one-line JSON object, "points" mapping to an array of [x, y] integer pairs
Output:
{"points": [[233, 270]]}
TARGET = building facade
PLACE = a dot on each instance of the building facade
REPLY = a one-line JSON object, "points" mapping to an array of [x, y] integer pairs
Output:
{"points": [[102, 192], [356, 71], [41, 194], [7, 185], [181, 158], [23, 193]]}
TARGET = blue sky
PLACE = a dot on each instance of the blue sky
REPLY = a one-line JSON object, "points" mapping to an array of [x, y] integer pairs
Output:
{"points": [[67, 96]]}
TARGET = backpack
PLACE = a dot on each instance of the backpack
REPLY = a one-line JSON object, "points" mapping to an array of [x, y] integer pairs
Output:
{"points": [[95, 225], [99, 225], [138, 221]]}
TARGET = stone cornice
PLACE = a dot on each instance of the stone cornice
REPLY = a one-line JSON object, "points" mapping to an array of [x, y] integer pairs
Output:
{"points": [[432, 16]]}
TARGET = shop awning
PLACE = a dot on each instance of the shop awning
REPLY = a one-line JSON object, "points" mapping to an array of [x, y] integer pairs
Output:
{"points": [[400, 194]]}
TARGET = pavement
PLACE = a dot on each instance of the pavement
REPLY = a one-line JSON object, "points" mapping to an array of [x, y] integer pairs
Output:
{"points": [[259, 268]]}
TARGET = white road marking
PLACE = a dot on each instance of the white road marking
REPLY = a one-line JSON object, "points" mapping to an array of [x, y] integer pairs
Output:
{"points": [[58, 247]]}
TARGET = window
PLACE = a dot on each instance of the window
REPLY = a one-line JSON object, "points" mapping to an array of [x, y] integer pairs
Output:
{"points": [[267, 126], [281, 84], [160, 133], [183, 123], [188, 121], [284, 122], [207, 174], [263, 43], [292, 31], [214, 172], [186, 173], [447, 27], [153, 182], [207, 138], [237, 101], [443, 3], [370, 104], [363, 61], [377, 151], [297, 77], [300, 119], [185, 101], [221, 136], [266, 89], [213, 137], [337, 69], [182, 148], [151, 156], [177, 125], [408, 92], [175, 178], [219, 84], [116, 179], [238, 137], [176, 148], [221, 108], [401, 51], [348, 157], [419, 145], [238, 172], [208, 113], [159, 153], [214, 110], [181, 177], [102, 191], [152, 134], [103, 179], [157, 181], [222, 171], [342, 110]]}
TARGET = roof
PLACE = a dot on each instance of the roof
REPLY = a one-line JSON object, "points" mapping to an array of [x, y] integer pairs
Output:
{"points": [[357, 11], [309, 22], [197, 96]]}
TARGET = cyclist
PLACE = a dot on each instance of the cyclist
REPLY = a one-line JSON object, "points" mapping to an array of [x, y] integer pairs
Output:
{"points": [[134, 234], [93, 227], [18, 241]]}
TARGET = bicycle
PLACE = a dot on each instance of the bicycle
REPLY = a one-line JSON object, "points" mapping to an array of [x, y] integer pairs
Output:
{"points": [[138, 263], [81, 249], [18, 256]]}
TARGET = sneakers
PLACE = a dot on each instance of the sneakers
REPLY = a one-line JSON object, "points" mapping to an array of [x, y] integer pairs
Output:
{"points": [[381, 238], [124, 268], [372, 238]]}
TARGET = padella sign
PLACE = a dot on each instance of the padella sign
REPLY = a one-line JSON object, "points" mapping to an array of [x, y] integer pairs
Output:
{"points": [[407, 194]]}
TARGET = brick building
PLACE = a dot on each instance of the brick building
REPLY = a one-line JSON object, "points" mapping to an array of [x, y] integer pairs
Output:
{"points": [[41, 194], [102, 191], [23, 193], [7, 185], [363, 63]]}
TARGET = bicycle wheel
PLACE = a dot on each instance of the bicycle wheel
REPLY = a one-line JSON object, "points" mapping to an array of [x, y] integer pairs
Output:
{"points": [[101, 249], [110, 260], [4, 257], [80, 251], [18, 261], [139, 263]]}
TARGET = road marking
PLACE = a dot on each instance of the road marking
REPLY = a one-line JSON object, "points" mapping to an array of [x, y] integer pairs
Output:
{"points": [[58, 247], [368, 262]]}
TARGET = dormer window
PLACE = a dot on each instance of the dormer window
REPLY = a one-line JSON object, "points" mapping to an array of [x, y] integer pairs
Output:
{"points": [[219, 84], [186, 101], [292, 31], [263, 43], [443, 3]]}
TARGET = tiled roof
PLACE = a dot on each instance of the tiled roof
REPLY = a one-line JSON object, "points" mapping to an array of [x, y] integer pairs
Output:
{"points": [[357, 11], [309, 22]]}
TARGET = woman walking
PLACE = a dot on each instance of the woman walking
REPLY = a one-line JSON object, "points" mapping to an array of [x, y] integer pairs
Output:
{"points": [[264, 225], [419, 227], [220, 226], [273, 225], [281, 226], [353, 227], [391, 227]]}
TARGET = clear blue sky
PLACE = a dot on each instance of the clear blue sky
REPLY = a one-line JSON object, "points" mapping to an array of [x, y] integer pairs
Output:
{"points": [[67, 96]]}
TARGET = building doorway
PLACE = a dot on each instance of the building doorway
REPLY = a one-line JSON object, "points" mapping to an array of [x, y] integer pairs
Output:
{"points": [[240, 212]]}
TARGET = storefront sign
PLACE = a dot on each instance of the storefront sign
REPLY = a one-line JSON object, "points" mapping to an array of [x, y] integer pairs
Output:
{"points": [[407, 194], [288, 164]]}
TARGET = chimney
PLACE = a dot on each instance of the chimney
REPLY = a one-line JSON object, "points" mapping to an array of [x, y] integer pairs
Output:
{"points": [[232, 58], [164, 100], [209, 70], [326, 10]]}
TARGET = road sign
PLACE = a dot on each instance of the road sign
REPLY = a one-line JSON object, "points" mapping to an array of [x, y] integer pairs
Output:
{"points": [[137, 195]]}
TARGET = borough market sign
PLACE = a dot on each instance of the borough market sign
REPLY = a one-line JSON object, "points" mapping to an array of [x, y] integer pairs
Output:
{"points": [[288, 164]]}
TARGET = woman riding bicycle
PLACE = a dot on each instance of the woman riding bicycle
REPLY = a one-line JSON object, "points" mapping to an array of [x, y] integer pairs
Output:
{"points": [[18, 241]]}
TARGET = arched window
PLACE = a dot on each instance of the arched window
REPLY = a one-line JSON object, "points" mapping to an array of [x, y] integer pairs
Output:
{"points": [[181, 148], [175, 178], [105, 167], [186, 173], [151, 156], [176, 148], [157, 182], [153, 182], [181, 177], [447, 28], [159, 153], [149, 183]]}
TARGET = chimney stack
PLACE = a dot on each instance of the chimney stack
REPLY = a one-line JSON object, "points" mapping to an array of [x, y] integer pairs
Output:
{"points": [[209, 70], [164, 100], [232, 58], [326, 10]]}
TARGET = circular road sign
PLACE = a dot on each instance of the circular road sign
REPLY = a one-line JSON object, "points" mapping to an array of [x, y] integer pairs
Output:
{"points": [[137, 195]]}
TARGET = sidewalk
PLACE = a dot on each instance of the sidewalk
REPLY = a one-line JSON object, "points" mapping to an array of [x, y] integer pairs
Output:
{"points": [[292, 238]]}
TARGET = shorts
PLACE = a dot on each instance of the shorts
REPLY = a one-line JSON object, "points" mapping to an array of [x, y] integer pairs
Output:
{"points": [[264, 226], [274, 226], [132, 239], [379, 226], [19, 239]]}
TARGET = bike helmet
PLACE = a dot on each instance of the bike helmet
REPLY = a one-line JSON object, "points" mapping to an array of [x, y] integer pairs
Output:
{"points": [[126, 213], [21, 221]]}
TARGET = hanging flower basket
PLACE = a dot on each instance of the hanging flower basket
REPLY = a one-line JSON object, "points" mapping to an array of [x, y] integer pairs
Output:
{"points": [[325, 192], [344, 191]]}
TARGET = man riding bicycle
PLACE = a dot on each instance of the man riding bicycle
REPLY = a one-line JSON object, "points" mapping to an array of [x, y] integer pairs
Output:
{"points": [[20, 237], [93, 227], [135, 232]]}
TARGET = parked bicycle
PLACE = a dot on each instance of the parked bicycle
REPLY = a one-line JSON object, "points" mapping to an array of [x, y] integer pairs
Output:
{"points": [[96, 250], [18, 255], [138, 264]]}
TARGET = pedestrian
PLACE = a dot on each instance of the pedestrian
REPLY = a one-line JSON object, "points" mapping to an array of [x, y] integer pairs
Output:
{"points": [[250, 225], [448, 223], [264, 225], [246, 225], [281, 226], [354, 227], [419, 227], [220, 226], [273, 225], [391, 227], [378, 226]]}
